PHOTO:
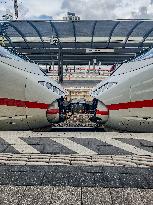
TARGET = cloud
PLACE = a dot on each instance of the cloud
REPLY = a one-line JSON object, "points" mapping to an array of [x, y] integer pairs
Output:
{"points": [[5, 5], [142, 13], [41, 17], [8, 5], [86, 9], [92, 9], [45, 7], [105, 9]]}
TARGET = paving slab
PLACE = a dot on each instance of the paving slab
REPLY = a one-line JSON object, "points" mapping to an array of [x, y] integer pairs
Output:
{"points": [[11, 195], [47, 146], [76, 176], [34, 196], [56, 179], [139, 181], [107, 179], [126, 196], [51, 195], [97, 196], [46, 168], [103, 143], [146, 196], [66, 196], [40, 196], [100, 147], [141, 143]]}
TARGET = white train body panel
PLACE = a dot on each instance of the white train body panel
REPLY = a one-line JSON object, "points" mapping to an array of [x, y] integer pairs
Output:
{"points": [[24, 96], [128, 96]]}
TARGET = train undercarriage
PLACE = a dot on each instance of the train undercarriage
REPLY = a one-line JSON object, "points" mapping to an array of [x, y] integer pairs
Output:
{"points": [[80, 108]]}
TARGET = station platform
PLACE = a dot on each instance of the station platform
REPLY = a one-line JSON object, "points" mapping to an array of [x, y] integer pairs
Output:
{"points": [[76, 167]]}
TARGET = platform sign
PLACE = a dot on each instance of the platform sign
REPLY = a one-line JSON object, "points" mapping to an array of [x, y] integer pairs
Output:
{"points": [[54, 40], [104, 50]]}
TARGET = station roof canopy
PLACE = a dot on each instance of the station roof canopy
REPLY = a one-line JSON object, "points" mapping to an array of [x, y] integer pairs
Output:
{"points": [[107, 41]]}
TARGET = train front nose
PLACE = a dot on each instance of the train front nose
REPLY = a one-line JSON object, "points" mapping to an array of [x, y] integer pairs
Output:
{"points": [[56, 111], [100, 112]]}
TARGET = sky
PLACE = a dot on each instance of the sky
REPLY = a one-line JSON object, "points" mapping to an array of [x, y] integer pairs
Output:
{"points": [[86, 9]]}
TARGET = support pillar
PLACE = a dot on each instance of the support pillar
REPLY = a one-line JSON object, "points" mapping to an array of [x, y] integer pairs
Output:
{"points": [[60, 64]]}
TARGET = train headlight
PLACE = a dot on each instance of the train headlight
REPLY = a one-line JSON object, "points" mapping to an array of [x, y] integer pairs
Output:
{"points": [[53, 112]]}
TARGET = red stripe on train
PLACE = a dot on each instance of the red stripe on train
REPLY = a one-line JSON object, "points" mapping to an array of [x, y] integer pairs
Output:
{"points": [[100, 112], [128, 105], [20, 103], [53, 111], [119, 106]]}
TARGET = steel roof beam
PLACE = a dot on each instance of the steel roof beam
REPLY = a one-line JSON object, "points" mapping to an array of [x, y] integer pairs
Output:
{"points": [[111, 33], [56, 32], [9, 40], [145, 37], [20, 33], [130, 32], [74, 30], [37, 31], [93, 33]]}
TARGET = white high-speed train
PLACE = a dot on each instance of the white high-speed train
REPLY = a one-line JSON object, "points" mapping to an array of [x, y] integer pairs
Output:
{"points": [[124, 101], [28, 98]]}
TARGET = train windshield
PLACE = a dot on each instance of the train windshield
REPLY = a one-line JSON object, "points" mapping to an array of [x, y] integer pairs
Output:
{"points": [[147, 55], [7, 54]]}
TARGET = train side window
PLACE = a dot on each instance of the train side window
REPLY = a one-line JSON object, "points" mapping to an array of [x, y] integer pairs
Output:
{"points": [[61, 92], [49, 86], [55, 89], [41, 82]]}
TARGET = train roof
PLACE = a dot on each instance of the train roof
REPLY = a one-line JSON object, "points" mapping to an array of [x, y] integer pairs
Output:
{"points": [[110, 41]]}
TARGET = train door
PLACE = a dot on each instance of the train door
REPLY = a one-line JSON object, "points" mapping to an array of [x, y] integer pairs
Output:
{"points": [[37, 103]]}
